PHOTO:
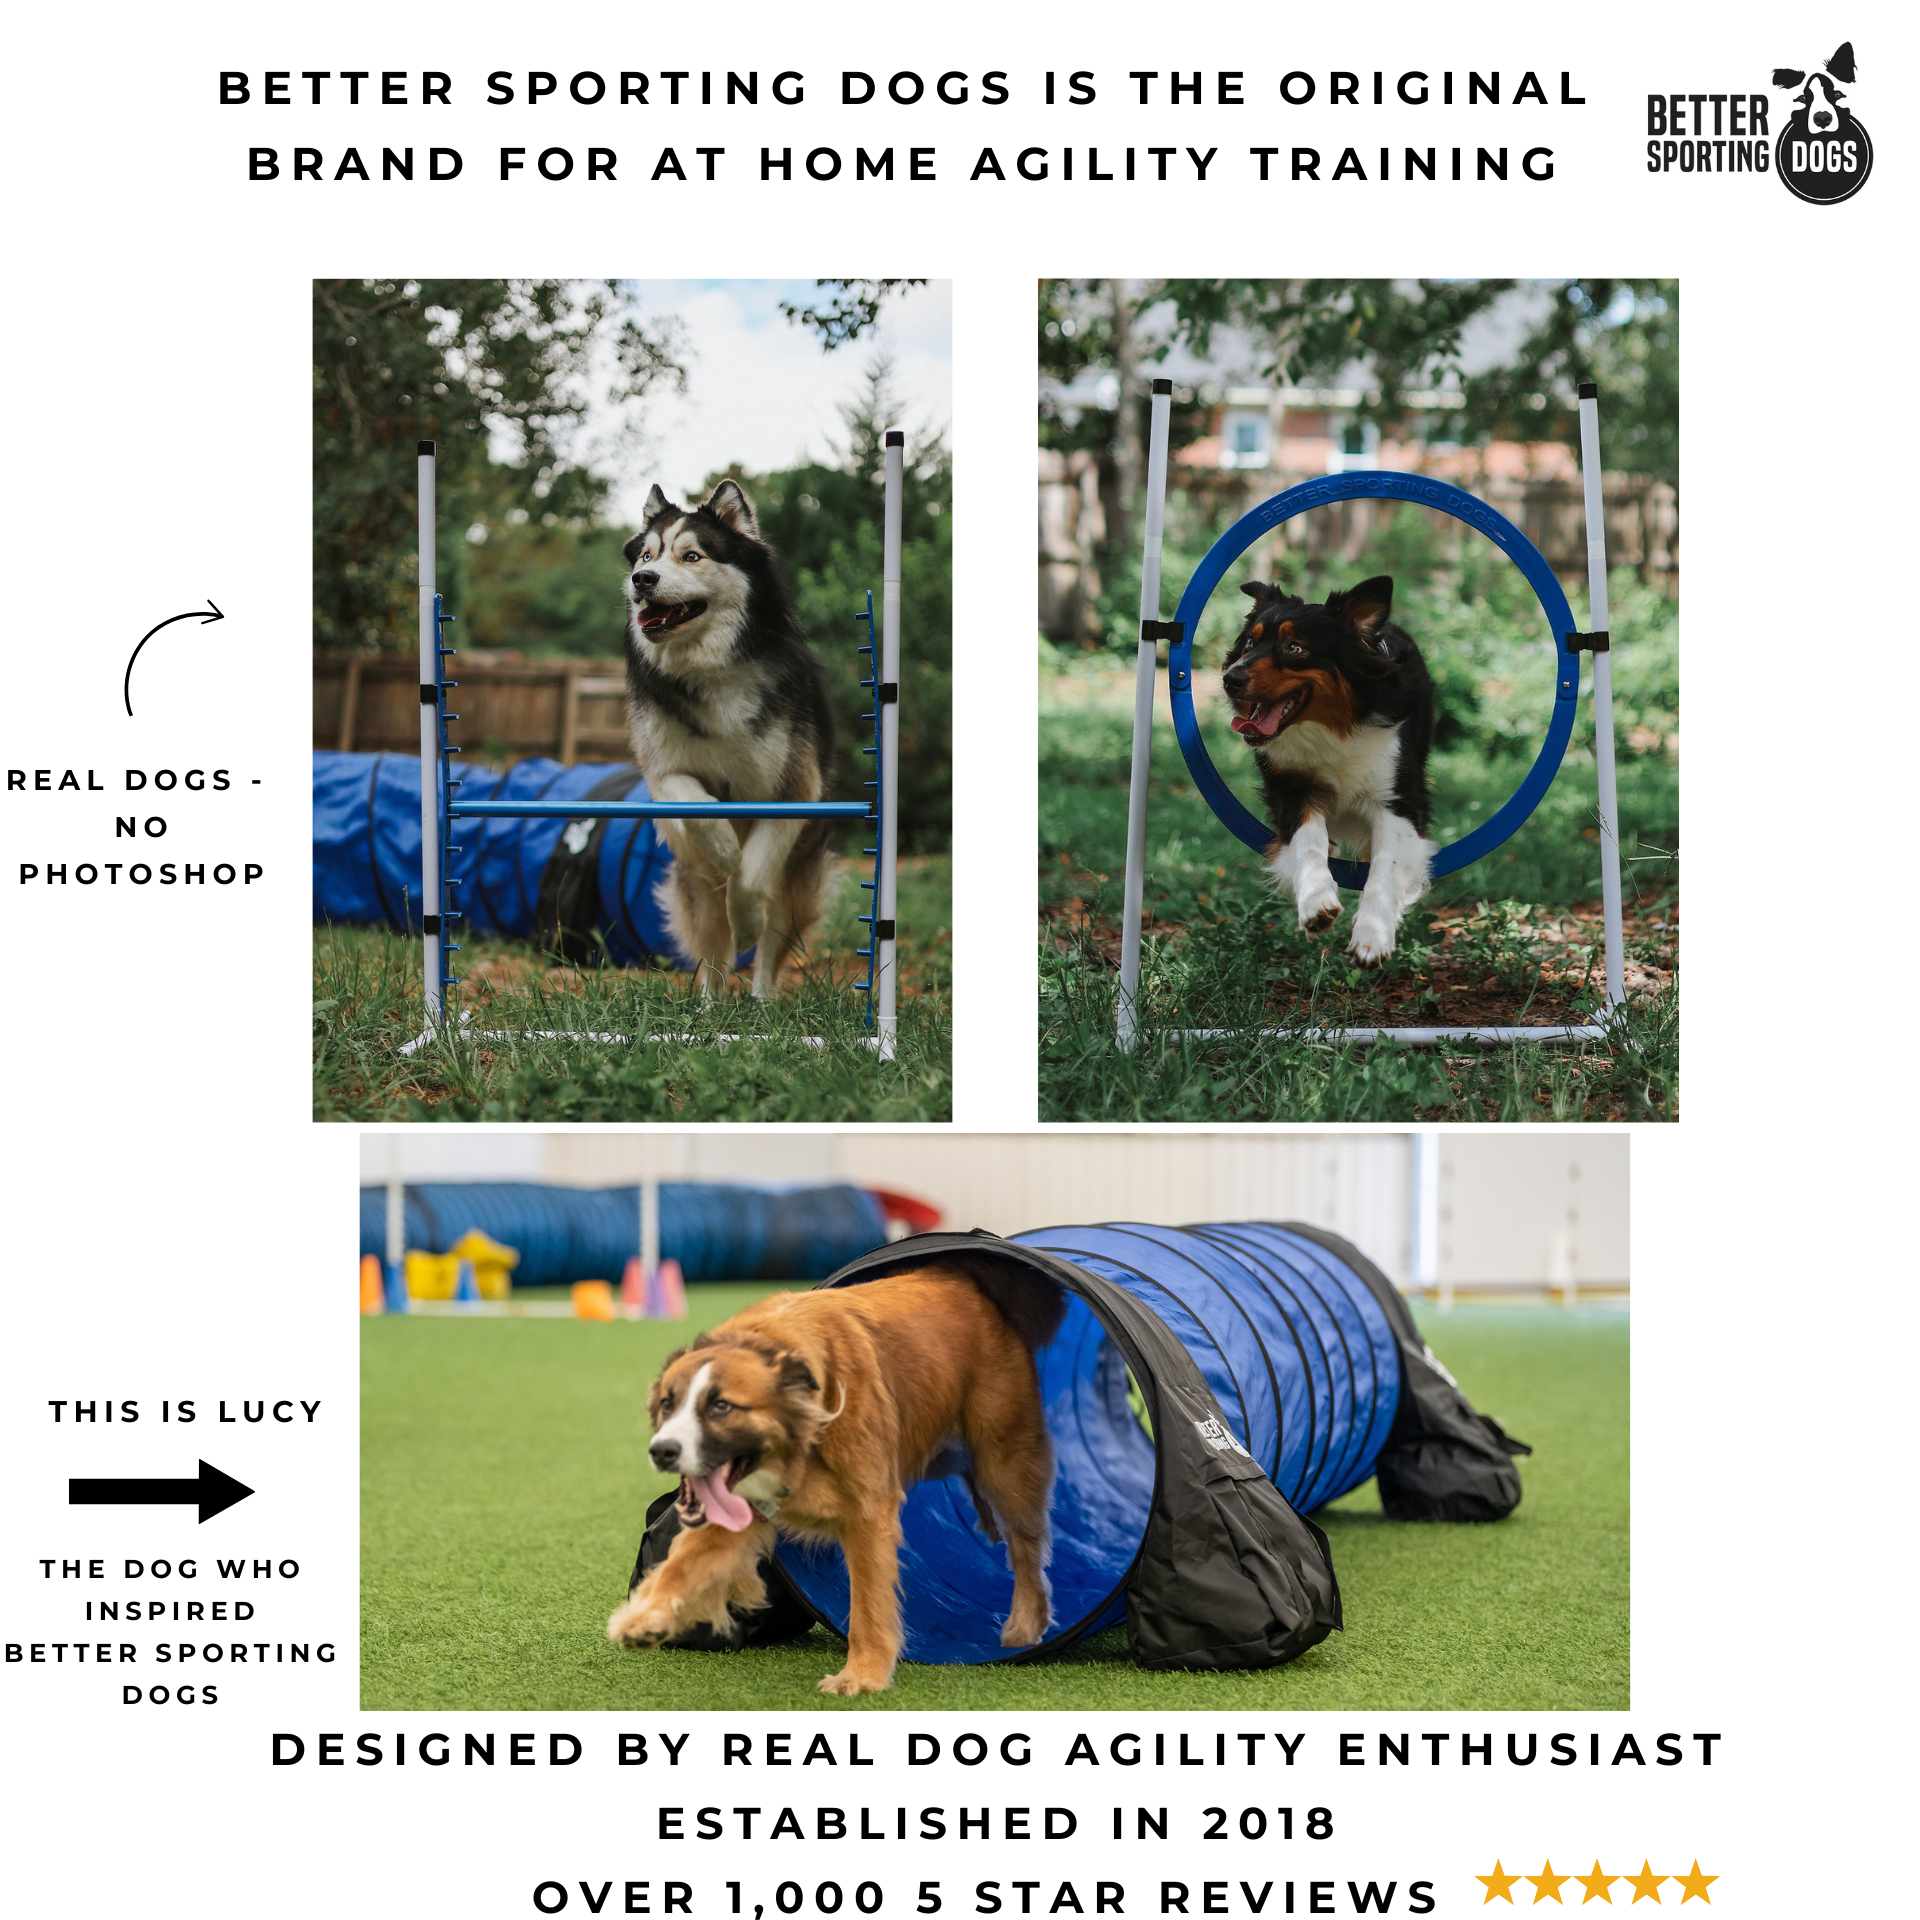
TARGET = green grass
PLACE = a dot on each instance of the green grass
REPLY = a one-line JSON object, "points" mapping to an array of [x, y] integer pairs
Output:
{"points": [[368, 1003], [1512, 940], [503, 1482]]}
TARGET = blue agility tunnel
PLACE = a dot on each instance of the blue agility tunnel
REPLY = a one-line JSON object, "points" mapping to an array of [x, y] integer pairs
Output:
{"points": [[715, 1231], [1208, 1388], [584, 888]]}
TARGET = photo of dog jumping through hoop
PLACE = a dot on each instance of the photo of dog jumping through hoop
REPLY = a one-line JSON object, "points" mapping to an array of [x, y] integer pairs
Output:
{"points": [[1337, 705]]}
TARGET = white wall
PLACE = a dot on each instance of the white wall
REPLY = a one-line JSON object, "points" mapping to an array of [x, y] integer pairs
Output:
{"points": [[1509, 1207], [1533, 1207], [1356, 1184]]}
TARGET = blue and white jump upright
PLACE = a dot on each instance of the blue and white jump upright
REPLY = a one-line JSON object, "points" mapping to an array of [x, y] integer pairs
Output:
{"points": [[440, 805]]}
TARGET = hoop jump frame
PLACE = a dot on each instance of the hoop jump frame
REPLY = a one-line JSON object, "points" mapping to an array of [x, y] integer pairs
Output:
{"points": [[1179, 633], [440, 805]]}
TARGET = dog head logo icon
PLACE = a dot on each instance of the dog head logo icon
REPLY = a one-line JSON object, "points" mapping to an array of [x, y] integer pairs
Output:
{"points": [[1823, 154]]}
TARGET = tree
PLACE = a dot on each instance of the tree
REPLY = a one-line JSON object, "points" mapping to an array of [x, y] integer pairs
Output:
{"points": [[1402, 335], [1406, 334], [825, 520], [848, 311], [500, 375]]}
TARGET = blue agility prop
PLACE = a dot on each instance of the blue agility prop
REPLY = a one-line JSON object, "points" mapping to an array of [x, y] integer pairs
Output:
{"points": [[447, 909], [713, 1230], [1258, 833], [1568, 645], [1208, 1385]]}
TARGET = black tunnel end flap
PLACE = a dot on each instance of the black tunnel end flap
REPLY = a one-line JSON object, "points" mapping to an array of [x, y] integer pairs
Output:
{"points": [[1442, 1459], [785, 1616], [1229, 1574]]}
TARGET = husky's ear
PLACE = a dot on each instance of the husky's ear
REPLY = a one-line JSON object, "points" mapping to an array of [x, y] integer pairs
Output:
{"points": [[1787, 76], [727, 504], [657, 507], [1365, 608], [1841, 65], [1258, 589]]}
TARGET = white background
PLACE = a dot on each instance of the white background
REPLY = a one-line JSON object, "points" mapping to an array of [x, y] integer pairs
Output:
{"points": [[178, 1228]]}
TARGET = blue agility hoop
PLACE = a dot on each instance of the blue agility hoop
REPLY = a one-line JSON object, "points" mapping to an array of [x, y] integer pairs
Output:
{"points": [[1377, 486]]}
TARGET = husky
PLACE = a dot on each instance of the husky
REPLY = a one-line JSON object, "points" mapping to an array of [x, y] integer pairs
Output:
{"points": [[1337, 706], [727, 702]]}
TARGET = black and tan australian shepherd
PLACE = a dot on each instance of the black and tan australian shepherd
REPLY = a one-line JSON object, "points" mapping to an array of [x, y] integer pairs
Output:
{"points": [[1337, 705], [812, 1414], [727, 703]]}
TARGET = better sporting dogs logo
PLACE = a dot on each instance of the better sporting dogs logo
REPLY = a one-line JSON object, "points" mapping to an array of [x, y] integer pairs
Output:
{"points": [[1823, 153]]}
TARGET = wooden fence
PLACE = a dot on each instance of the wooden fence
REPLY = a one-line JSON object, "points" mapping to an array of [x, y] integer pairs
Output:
{"points": [[1643, 528], [510, 708]]}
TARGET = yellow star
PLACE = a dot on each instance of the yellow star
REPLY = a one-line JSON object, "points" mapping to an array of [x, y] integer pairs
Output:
{"points": [[1696, 1884], [1645, 1884], [1496, 1884], [1547, 1884], [1597, 1883]]}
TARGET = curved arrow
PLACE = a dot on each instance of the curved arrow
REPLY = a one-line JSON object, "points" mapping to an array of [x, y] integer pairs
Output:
{"points": [[212, 1492], [209, 617]]}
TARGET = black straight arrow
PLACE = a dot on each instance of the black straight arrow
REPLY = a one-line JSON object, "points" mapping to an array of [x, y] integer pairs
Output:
{"points": [[214, 1492], [212, 614]]}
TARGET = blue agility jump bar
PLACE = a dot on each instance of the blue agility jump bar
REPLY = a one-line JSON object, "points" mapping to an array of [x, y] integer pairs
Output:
{"points": [[661, 809]]}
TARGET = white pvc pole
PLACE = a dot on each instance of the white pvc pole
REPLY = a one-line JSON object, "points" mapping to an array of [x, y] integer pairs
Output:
{"points": [[1134, 897], [396, 1221], [1602, 693], [649, 1228], [430, 902], [885, 895]]}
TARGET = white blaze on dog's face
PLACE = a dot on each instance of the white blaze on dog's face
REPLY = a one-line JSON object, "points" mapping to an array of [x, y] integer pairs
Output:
{"points": [[686, 599], [1822, 102], [732, 1420]]}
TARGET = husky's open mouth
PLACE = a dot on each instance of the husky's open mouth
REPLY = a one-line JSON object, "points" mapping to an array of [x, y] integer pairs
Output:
{"points": [[1263, 721], [659, 618], [712, 1497]]}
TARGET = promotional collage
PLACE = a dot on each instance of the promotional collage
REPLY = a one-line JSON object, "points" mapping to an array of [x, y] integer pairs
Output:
{"points": [[984, 1030]]}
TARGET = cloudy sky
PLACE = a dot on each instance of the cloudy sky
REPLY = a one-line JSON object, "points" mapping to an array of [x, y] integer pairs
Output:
{"points": [[759, 389]]}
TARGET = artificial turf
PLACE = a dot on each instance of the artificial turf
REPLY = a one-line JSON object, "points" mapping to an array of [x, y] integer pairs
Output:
{"points": [[503, 1481]]}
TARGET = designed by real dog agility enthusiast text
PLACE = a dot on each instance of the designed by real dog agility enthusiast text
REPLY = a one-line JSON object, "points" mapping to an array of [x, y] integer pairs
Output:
{"points": [[728, 703], [815, 1412], [1337, 705]]}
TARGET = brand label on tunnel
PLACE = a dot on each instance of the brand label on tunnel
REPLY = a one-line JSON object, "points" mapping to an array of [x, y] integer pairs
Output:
{"points": [[1215, 1434]]}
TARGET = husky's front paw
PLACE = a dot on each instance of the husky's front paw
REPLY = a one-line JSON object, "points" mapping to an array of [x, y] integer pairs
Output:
{"points": [[1372, 939], [1319, 906]]}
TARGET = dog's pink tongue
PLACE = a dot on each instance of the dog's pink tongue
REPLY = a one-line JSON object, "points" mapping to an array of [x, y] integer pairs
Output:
{"points": [[722, 1505], [1264, 721]]}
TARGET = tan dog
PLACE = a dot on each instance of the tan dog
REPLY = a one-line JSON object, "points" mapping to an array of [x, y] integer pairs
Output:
{"points": [[815, 1412]]}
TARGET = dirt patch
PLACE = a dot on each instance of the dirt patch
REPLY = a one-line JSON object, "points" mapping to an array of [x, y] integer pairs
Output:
{"points": [[1489, 964]]}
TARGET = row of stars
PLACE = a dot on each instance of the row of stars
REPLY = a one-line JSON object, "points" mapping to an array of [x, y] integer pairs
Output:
{"points": [[1646, 1884]]}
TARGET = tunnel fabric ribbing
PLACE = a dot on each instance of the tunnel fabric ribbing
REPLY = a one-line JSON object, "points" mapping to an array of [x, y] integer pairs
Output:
{"points": [[1208, 1385]]}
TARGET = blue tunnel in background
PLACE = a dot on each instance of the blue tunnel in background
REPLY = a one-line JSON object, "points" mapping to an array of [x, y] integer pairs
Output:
{"points": [[715, 1230], [1296, 1348], [579, 882]]}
